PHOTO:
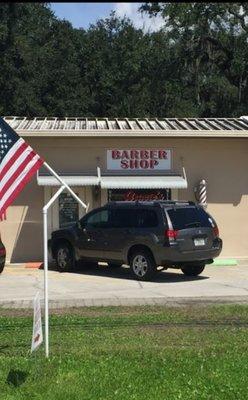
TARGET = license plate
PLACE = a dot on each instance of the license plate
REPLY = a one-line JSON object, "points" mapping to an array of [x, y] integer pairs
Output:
{"points": [[199, 242]]}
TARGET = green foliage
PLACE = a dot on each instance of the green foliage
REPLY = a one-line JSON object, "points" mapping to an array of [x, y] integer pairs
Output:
{"points": [[196, 66]]}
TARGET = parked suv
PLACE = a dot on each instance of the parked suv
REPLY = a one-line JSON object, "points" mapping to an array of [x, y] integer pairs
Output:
{"points": [[2, 255], [144, 235]]}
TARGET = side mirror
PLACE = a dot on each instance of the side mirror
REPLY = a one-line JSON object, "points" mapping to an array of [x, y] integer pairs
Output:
{"points": [[81, 225]]}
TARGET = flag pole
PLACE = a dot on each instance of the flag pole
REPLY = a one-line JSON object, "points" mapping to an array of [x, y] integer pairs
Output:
{"points": [[45, 244]]}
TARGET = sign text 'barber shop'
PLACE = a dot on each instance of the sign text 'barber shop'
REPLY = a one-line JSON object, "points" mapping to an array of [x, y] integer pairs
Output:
{"points": [[138, 159]]}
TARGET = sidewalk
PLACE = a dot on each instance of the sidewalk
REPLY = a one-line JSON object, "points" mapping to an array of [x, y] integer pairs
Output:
{"points": [[102, 287]]}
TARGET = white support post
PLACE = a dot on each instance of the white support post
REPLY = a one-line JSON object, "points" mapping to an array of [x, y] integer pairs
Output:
{"points": [[45, 245], [65, 185], [184, 174], [45, 239]]}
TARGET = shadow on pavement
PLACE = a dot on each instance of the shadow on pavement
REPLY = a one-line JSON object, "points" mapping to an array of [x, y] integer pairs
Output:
{"points": [[124, 273]]}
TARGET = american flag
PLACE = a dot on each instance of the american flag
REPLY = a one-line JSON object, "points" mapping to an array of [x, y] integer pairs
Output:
{"points": [[18, 163]]}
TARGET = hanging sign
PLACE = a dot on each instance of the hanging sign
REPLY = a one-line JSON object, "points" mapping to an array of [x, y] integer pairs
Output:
{"points": [[37, 337], [139, 160]]}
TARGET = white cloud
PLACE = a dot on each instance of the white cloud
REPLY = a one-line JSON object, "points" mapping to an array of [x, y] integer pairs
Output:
{"points": [[142, 21]]}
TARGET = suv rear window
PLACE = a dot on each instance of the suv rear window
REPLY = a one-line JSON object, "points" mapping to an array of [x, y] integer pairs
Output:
{"points": [[189, 217]]}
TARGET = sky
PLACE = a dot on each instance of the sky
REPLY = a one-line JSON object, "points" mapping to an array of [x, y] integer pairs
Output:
{"points": [[81, 15]]}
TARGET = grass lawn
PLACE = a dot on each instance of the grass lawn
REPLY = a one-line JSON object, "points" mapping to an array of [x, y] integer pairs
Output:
{"points": [[128, 353]]}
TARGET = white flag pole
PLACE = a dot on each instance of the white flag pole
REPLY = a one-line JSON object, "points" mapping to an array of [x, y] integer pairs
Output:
{"points": [[45, 244]]}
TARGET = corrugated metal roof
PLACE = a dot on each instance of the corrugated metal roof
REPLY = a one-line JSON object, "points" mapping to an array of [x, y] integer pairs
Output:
{"points": [[49, 126], [74, 124], [147, 182]]}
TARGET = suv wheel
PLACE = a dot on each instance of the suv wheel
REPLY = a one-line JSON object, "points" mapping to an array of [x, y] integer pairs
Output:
{"points": [[64, 258], [142, 265], [193, 270]]}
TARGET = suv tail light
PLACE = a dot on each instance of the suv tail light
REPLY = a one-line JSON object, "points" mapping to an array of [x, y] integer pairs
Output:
{"points": [[216, 231], [171, 234], [2, 252]]}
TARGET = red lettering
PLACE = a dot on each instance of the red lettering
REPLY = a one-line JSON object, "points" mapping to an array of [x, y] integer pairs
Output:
{"points": [[162, 154], [124, 164], [116, 154], [144, 164], [144, 154], [153, 163], [134, 154], [154, 154], [125, 154], [131, 195], [134, 164]]}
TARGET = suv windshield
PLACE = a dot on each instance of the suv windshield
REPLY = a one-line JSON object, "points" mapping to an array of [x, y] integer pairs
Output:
{"points": [[190, 217]]}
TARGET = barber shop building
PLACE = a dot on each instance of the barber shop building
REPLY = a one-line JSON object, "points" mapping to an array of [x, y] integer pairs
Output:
{"points": [[131, 159]]}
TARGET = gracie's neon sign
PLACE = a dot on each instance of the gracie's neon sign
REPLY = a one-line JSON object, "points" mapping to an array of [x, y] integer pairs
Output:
{"points": [[143, 159], [132, 195]]}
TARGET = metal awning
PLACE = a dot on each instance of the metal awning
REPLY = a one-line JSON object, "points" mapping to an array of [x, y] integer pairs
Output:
{"points": [[72, 180], [143, 182], [118, 182]]}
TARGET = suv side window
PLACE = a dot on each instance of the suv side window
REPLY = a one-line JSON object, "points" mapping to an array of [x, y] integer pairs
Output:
{"points": [[133, 218], [147, 218], [99, 219]]}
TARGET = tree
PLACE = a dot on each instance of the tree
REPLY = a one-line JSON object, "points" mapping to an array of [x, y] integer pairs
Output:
{"points": [[211, 40]]}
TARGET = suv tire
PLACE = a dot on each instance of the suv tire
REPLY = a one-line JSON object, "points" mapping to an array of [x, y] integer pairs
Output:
{"points": [[65, 259], [142, 265], [193, 270]]}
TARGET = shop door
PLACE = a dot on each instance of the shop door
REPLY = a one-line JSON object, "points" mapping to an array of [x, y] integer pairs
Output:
{"points": [[65, 209]]}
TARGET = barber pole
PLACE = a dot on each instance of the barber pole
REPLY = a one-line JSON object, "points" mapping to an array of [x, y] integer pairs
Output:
{"points": [[203, 193]]}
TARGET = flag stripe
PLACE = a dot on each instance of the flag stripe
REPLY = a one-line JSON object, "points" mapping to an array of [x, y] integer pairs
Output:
{"points": [[21, 185], [18, 163], [11, 151], [17, 182], [15, 171], [11, 160], [28, 150]]}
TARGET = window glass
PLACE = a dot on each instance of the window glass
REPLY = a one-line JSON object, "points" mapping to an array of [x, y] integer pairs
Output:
{"points": [[99, 219], [189, 217], [133, 218], [147, 218]]}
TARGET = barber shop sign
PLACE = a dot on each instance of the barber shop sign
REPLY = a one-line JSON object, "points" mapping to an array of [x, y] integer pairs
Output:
{"points": [[138, 160]]}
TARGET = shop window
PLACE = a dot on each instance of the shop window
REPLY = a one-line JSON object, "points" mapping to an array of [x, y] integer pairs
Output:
{"points": [[68, 210]]}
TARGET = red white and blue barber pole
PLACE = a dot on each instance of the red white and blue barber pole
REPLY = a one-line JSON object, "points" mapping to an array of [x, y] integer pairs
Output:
{"points": [[203, 193]]}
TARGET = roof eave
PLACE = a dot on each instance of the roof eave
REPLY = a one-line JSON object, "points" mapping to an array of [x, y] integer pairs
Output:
{"points": [[98, 133]]}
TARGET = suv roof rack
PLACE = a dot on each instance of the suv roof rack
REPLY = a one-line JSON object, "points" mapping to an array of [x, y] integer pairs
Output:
{"points": [[153, 202]]}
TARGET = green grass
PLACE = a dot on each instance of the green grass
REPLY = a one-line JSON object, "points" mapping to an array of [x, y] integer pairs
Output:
{"points": [[128, 353]]}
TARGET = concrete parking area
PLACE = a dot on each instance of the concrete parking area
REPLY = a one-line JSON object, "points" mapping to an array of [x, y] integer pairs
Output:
{"points": [[103, 286]]}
